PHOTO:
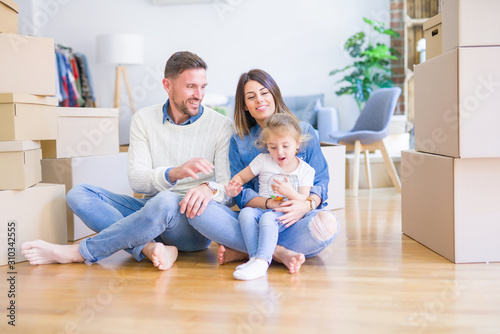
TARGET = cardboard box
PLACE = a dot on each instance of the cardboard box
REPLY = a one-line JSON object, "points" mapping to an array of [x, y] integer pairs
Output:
{"points": [[8, 12], [28, 98], [470, 23], [34, 213], [20, 165], [106, 171], [457, 103], [23, 121], [83, 132], [335, 157], [433, 34], [28, 65], [450, 205]]}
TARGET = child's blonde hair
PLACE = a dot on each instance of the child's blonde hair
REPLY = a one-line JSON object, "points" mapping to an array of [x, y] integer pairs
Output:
{"points": [[283, 124]]}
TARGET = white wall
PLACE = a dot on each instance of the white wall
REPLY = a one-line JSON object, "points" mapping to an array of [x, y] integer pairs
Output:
{"points": [[297, 42]]}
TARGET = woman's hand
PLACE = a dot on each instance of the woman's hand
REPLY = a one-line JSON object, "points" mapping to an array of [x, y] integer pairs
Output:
{"points": [[233, 188], [294, 211]]}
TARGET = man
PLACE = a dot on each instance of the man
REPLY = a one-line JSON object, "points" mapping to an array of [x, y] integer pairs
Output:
{"points": [[176, 152]]}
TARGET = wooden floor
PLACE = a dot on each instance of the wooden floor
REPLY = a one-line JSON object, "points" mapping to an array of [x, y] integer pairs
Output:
{"points": [[372, 279]]}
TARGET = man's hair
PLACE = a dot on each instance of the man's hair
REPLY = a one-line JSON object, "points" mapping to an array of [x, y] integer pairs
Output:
{"points": [[242, 118], [181, 61]]}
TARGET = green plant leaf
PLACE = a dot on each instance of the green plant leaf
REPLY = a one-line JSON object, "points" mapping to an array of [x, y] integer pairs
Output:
{"points": [[371, 64], [340, 70]]}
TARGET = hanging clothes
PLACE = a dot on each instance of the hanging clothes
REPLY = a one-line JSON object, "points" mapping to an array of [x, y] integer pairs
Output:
{"points": [[75, 88]]}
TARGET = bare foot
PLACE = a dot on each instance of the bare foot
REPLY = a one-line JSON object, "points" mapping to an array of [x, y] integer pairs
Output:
{"points": [[162, 256], [226, 255], [292, 260], [42, 252]]}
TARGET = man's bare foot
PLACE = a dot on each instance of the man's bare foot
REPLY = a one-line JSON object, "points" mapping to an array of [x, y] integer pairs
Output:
{"points": [[292, 260], [42, 252], [162, 256], [226, 255]]}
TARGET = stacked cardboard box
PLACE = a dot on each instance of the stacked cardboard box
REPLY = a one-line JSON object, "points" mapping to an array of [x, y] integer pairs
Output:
{"points": [[33, 127], [451, 183], [28, 208]]}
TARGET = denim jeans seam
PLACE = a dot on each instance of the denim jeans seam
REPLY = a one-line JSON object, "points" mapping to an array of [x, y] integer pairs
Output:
{"points": [[101, 195]]}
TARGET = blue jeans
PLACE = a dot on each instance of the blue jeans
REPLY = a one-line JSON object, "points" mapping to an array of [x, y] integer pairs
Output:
{"points": [[260, 230], [129, 223], [220, 224]]}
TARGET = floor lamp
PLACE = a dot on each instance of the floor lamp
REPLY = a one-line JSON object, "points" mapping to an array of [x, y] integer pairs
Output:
{"points": [[121, 50]]}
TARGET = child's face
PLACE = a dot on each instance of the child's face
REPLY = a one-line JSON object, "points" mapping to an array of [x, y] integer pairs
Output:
{"points": [[282, 148]]}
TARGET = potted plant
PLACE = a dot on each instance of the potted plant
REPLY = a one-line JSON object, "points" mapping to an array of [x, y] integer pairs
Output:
{"points": [[371, 67]]}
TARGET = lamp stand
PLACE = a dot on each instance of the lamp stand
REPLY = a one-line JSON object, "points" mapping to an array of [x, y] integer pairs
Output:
{"points": [[122, 70]]}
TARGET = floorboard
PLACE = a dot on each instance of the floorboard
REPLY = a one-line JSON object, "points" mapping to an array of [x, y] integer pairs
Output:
{"points": [[372, 279]]}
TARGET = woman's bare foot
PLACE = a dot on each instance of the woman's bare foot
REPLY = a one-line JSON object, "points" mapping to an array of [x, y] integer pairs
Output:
{"points": [[42, 252], [226, 255], [162, 256], [292, 260]]}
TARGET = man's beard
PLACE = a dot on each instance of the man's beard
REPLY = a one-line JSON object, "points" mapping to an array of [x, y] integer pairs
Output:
{"points": [[184, 109]]}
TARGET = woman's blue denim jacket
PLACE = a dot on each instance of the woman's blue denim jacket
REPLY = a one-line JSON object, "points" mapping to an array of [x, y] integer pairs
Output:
{"points": [[243, 151]]}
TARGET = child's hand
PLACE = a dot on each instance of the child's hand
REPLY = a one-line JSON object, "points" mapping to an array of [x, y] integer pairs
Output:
{"points": [[283, 188], [233, 188]]}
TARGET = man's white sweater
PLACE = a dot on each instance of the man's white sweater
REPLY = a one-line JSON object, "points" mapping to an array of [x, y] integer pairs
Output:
{"points": [[155, 146]]}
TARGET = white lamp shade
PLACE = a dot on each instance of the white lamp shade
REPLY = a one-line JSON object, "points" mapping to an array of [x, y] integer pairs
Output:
{"points": [[122, 49]]}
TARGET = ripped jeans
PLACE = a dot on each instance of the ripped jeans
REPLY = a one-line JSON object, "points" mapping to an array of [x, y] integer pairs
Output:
{"points": [[220, 224]]}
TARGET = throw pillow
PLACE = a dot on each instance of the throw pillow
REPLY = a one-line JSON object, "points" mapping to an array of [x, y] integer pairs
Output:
{"points": [[310, 113]]}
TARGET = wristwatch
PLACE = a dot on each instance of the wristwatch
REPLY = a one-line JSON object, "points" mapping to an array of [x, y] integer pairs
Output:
{"points": [[312, 203], [212, 185]]}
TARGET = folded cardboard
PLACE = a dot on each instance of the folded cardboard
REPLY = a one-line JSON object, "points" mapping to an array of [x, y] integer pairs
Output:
{"points": [[470, 23], [84, 132], [27, 65], [28, 98], [450, 205], [23, 121], [106, 171], [335, 157], [433, 34], [38, 212], [457, 103], [9, 16], [20, 165]]}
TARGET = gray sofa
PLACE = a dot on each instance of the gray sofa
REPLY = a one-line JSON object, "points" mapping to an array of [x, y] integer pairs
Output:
{"points": [[309, 108]]}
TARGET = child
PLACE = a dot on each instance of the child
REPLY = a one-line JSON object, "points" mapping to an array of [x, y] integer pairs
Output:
{"points": [[281, 134]]}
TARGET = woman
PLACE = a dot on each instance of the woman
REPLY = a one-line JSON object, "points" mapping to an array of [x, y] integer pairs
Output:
{"points": [[312, 229]]}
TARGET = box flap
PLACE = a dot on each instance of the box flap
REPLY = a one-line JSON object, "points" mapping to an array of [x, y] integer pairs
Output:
{"points": [[9, 3], [87, 112], [433, 21], [19, 145], [28, 98]]}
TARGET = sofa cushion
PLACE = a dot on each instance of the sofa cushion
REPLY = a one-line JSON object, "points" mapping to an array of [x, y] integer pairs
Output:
{"points": [[309, 114]]}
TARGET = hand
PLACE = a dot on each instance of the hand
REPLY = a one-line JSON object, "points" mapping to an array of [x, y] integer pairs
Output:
{"points": [[294, 211], [233, 188], [191, 168], [196, 201], [284, 188]]}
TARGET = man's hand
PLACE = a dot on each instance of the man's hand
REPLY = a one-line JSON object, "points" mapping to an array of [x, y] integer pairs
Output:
{"points": [[294, 211], [191, 168], [233, 188], [196, 200]]}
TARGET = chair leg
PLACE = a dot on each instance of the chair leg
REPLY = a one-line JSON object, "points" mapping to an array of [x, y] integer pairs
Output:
{"points": [[390, 166], [355, 178], [367, 168]]}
